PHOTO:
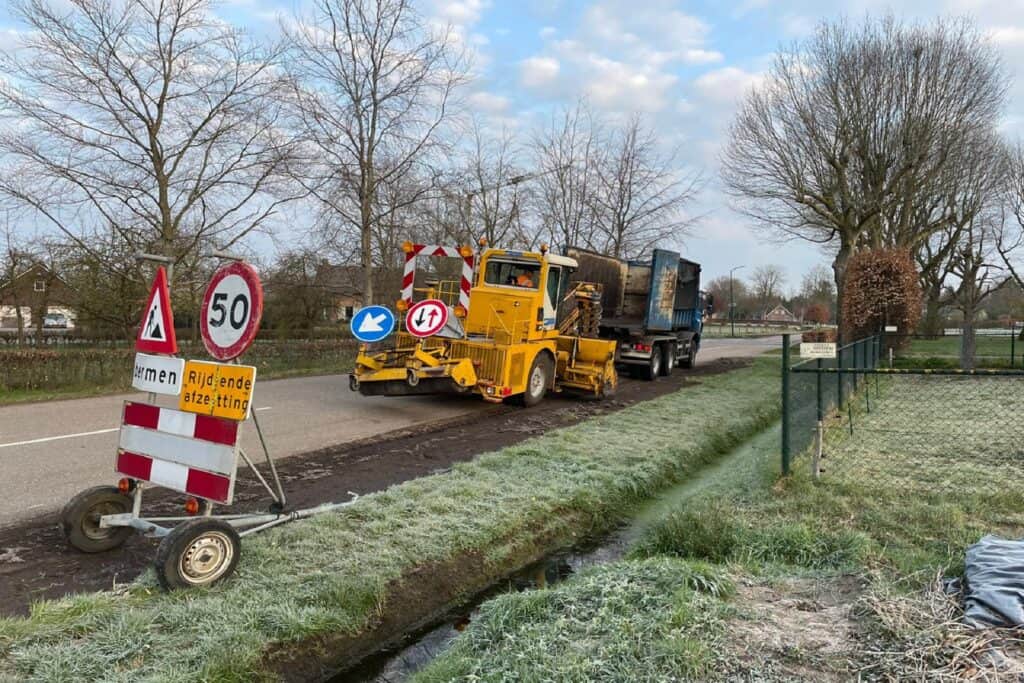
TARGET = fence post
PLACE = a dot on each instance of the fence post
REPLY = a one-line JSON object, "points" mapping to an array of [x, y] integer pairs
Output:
{"points": [[1013, 344], [839, 378], [785, 405]]}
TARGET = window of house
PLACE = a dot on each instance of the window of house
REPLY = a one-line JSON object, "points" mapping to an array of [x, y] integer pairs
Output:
{"points": [[39, 285]]}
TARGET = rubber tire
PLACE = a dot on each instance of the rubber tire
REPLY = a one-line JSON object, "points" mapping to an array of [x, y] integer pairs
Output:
{"points": [[653, 368], [691, 356], [174, 546], [81, 510], [542, 363], [668, 359]]}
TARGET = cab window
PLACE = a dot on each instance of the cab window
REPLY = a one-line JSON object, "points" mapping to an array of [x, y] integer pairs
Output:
{"points": [[513, 274]]}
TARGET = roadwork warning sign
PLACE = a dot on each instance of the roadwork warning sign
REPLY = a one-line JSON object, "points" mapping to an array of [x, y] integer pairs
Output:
{"points": [[217, 389]]}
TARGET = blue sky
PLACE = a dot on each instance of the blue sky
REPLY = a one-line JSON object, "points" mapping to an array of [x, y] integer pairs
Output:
{"points": [[683, 64]]}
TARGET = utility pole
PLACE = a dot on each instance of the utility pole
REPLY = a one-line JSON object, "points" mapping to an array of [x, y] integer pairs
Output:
{"points": [[732, 304]]}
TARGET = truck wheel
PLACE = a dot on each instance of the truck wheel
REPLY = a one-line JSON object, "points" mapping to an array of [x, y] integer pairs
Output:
{"points": [[199, 552], [80, 519], [668, 359], [538, 381], [691, 356], [653, 368]]}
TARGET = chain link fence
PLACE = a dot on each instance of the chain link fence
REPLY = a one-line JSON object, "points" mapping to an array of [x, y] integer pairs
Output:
{"points": [[817, 388], [923, 430]]}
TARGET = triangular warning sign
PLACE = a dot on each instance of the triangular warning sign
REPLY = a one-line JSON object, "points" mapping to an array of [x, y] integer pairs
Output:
{"points": [[156, 333]]}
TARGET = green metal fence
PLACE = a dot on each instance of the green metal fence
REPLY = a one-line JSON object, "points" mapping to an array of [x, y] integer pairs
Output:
{"points": [[810, 394]]}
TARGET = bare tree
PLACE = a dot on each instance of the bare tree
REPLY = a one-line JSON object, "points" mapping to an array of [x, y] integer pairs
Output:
{"points": [[149, 118], [565, 157], [766, 283], [373, 87], [855, 131], [641, 193], [970, 193], [978, 274], [1009, 237], [493, 206], [15, 259]]}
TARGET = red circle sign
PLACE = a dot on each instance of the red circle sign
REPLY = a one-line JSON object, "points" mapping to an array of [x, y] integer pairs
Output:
{"points": [[426, 317], [231, 312]]}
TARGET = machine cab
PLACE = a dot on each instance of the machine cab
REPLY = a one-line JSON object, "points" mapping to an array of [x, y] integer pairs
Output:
{"points": [[518, 293]]}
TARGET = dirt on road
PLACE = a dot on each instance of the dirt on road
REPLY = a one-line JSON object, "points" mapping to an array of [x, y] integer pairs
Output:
{"points": [[36, 563]]}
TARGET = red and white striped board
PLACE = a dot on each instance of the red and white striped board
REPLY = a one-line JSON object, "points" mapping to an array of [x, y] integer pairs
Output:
{"points": [[409, 274], [194, 454]]}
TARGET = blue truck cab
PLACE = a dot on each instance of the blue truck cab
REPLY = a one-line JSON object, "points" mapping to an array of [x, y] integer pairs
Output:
{"points": [[653, 308]]}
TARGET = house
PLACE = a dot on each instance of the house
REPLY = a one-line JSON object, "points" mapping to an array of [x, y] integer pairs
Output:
{"points": [[44, 299], [780, 314]]}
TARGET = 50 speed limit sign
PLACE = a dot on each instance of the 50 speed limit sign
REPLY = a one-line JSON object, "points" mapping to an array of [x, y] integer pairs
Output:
{"points": [[232, 308]]}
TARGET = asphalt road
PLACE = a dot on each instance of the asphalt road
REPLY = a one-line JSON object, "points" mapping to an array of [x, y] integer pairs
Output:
{"points": [[50, 451]]}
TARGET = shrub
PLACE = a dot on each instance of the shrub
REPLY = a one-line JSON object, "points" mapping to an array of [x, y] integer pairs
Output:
{"points": [[817, 313], [881, 287]]}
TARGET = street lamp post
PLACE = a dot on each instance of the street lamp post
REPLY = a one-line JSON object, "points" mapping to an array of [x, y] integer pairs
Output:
{"points": [[732, 304]]}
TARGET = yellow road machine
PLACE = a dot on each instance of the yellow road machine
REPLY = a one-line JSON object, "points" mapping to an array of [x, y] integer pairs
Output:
{"points": [[518, 328]]}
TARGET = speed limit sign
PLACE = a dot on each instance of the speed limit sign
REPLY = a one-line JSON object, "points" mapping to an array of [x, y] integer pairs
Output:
{"points": [[232, 308]]}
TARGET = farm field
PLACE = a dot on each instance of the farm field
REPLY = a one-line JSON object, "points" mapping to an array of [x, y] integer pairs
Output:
{"points": [[316, 594], [993, 351], [744, 576]]}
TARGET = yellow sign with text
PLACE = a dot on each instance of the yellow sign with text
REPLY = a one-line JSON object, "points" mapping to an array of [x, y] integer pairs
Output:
{"points": [[217, 389]]}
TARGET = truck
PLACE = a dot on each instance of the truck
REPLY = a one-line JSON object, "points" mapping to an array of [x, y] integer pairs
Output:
{"points": [[652, 309], [522, 326]]}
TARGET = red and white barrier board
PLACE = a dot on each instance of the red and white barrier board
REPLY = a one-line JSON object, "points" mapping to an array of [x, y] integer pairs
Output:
{"points": [[194, 454]]}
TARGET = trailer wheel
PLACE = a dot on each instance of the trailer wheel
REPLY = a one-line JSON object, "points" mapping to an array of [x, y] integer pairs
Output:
{"points": [[80, 519], [653, 368], [668, 359], [691, 355], [538, 381], [199, 552]]}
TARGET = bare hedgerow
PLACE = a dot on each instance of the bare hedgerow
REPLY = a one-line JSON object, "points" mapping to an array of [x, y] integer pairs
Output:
{"points": [[882, 288]]}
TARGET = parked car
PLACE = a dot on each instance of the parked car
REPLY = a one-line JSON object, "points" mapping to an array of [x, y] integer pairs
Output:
{"points": [[55, 321]]}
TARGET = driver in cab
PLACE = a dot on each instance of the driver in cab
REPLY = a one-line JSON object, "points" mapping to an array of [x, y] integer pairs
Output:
{"points": [[523, 279]]}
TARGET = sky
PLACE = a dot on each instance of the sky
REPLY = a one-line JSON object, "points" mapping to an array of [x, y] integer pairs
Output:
{"points": [[683, 65]]}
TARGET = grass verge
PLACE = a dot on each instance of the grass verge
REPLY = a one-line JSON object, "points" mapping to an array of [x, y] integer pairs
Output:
{"points": [[305, 589], [836, 579]]}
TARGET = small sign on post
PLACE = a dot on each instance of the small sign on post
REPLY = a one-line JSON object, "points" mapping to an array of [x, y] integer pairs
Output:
{"points": [[158, 374], [217, 389], [818, 350], [891, 328], [156, 333]]}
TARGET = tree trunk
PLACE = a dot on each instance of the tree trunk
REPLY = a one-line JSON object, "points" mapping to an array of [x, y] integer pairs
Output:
{"points": [[931, 325], [968, 343], [839, 271]]}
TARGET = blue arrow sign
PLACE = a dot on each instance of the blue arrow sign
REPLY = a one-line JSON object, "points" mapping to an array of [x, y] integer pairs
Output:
{"points": [[373, 323]]}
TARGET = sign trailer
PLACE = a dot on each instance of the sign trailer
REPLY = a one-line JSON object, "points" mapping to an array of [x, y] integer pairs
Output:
{"points": [[194, 449]]}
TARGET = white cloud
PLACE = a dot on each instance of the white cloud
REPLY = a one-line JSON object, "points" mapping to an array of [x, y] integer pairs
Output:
{"points": [[488, 102], [459, 12], [1008, 36], [726, 85], [698, 56], [547, 32], [537, 72]]}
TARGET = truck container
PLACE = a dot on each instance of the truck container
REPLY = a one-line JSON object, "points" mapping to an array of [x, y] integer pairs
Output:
{"points": [[653, 309]]}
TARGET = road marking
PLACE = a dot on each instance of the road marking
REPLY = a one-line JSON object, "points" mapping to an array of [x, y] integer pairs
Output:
{"points": [[57, 438], [45, 439]]}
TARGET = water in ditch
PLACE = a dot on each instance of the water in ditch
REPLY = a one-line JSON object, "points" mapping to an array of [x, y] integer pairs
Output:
{"points": [[419, 649]]}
